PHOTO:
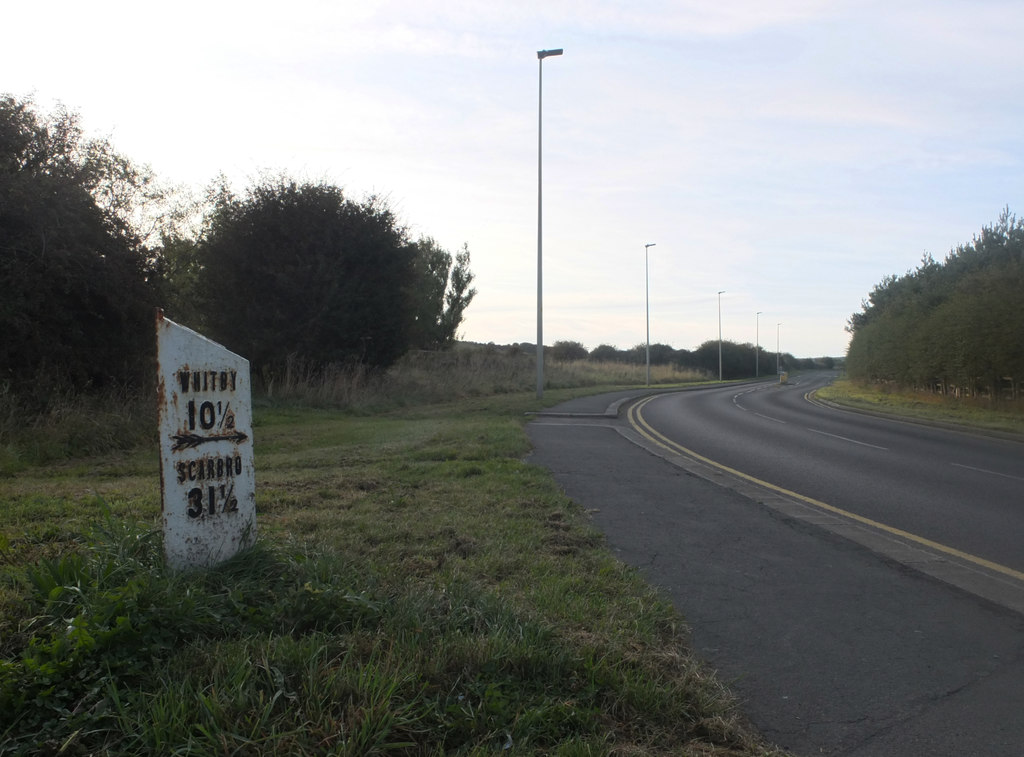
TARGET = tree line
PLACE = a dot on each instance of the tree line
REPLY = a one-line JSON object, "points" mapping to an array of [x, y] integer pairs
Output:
{"points": [[91, 244], [738, 360], [955, 327]]}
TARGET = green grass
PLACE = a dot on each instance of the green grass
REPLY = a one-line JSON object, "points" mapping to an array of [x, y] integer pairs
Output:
{"points": [[1007, 417], [417, 589]]}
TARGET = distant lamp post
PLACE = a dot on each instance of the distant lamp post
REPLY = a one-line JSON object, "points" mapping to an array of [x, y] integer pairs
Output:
{"points": [[720, 334], [541, 55], [757, 344], [778, 360], [647, 290]]}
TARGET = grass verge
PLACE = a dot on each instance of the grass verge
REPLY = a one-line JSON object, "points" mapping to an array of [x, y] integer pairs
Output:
{"points": [[1006, 417], [418, 589]]}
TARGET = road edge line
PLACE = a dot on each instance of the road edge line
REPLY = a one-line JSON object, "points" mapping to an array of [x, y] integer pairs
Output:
{"points": [[984, 578]]}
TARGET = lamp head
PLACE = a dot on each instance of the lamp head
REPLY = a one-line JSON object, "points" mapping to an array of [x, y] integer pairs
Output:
{"points": [[542, 54]]}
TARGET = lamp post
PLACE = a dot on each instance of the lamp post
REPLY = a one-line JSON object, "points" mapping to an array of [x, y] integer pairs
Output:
{"points": [[720, 334], [647, 292], [778, 363], [757, 344], [541, 55]]}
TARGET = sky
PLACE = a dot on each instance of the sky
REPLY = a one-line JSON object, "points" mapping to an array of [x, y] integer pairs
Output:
{"points": [[789, 154]]}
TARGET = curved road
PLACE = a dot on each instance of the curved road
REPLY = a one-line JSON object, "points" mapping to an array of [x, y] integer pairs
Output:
{"points": [[960, 490], [736, 517]]}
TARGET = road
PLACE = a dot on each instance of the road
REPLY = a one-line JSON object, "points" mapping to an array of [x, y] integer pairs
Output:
{"points": [[961, 490], [843, 629]]}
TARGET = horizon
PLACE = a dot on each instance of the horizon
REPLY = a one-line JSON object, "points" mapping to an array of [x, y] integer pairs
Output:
{"points": [[533, 345]]}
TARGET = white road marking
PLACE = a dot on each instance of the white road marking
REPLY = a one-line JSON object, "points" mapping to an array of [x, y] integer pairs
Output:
{"points": [[989, 472], [847, 439], [752, 412]]}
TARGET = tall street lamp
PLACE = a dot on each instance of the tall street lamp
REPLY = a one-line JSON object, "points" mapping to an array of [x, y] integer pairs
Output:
{"points": [[757, 344], [541, 55], [647, 289], [720, 334], [778, 363]]}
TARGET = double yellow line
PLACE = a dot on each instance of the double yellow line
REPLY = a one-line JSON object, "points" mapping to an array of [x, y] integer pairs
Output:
{"points": [[642, 427]]}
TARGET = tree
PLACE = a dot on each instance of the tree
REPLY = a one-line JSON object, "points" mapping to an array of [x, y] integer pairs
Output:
{"points": [[737, 360], [606, 353], [299, 269], [180, 277], [76, 310], [441, 295], [566, 351], [661, 354], [952, 327]]}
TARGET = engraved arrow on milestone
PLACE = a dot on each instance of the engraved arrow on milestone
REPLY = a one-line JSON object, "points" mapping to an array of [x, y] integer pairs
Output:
{"points": [[187, 441]]}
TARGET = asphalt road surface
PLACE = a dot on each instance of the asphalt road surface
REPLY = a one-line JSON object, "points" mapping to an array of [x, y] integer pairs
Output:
{"points": [[859, 582]]}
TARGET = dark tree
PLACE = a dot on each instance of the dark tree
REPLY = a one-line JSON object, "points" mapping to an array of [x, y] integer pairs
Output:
{"points": [[295, 269], [685, 359], [180, 275], [567, 350], [738, 360], [661, 354], [636, 355], [441, 294], [606, 353], [76, 304], [953, 327]]}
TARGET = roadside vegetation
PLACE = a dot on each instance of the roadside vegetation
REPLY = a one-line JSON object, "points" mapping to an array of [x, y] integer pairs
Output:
{"points": [[418, 588], [952, 328], [73, 424], [93, 243], [943, 343], [977, 413]]}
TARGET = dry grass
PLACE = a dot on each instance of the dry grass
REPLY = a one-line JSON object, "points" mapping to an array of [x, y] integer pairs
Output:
{"points": [[466, 372], [927, 406], [81, 426]]}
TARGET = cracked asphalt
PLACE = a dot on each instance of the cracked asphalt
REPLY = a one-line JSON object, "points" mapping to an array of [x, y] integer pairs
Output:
{"points": [[832, 649]]}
